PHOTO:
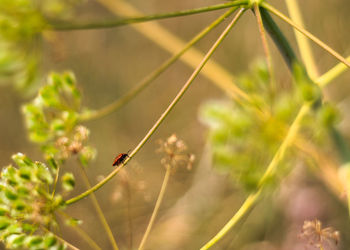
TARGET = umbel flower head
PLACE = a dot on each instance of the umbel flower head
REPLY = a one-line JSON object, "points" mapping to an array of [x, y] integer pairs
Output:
{"points": [[316, 236], [27, 206], [52, 119], [175, 153]]}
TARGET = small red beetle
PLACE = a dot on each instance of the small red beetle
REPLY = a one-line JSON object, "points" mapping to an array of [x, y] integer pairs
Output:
{"points": [[120, 158]]}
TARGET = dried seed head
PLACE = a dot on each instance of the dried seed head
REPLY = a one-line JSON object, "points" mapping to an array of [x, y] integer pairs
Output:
{"points": [[175, 154], [323, 238], [81, 133], [73, 144]]}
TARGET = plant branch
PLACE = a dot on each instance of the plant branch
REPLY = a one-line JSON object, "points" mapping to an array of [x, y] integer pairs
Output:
{"points": [[149, 79], [243, 210], [81, 232], [120, 22], [253, 198], [332, 74], [156, 207], [306, 33], [55, 182], [171, 43], [165, 113], [98, 209]]}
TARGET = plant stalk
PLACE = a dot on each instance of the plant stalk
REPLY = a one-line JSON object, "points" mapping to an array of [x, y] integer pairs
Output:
{"points": [[149, 79], [98, 209], [165, 113], [156, 207], [120, 22]]}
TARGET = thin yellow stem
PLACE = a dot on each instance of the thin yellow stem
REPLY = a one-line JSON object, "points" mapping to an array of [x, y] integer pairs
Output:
{"points": [[246, 206], [332, 74], [156, 207], [81, 232], [98, 209], [87, 238], [140, 19], [306, 33], [253, 198], [171, 43], [165, 113], [288, 140], [152, 76], [266, 48], [55, 182], [60, 239], [303, 43]]}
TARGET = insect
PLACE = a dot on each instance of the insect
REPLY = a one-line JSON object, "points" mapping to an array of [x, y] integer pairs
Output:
{"points": [[119, 159]]}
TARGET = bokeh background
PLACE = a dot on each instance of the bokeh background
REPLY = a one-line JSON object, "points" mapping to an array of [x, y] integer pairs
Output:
{"points": [[108, 62]]}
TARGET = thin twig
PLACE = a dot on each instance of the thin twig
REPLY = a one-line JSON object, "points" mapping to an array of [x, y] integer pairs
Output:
{"points": [[331, 74], [165, 113], [98, 209], [81, 232], [152, 76], [156, 207], [120, 22], [172, 44], [55, 182]]}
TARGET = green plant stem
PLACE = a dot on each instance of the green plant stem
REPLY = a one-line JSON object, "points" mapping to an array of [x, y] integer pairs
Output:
{"points": [[59, 238], [98, 209], [81, 232], [156, 207], [303, 43], [171, 43], [87, 238], [288, 140], [244, 209], [306, 33], [120, 22], [332, 74], [55, 182], [253, 198], [149, 79], [165, 113], [266, 48]]}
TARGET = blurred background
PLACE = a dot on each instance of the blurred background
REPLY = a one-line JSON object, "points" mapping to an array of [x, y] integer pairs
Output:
{"points": [[109, 62]]}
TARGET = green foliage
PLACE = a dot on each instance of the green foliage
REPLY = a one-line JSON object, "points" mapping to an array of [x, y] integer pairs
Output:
{"points": [[22, 23], [27, 205], [244, 140], [52, 120]]}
